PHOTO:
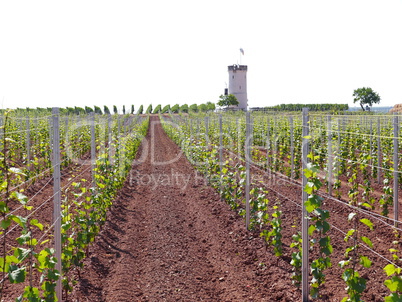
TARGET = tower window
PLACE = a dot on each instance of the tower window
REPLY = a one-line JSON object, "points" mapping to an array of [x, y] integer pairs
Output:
{"points": [[239, 87], [233, 77]]}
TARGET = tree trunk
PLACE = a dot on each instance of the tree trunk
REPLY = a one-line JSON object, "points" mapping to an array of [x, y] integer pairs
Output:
{"points": [[361, 105]]}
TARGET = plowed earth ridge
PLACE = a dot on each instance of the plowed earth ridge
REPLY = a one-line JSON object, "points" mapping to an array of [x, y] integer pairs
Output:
{"points": [[169, 237]]}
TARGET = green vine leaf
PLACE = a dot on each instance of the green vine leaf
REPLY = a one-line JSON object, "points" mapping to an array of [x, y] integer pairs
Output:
{"points": [[349, 234], [22, 221], [20, 197], [311, 229], [3, 207], [312, 203], [394, 284], [393, 298], [36, 223], [367, 222], [3, 186], [367, 241], [16, 274], [31, 294], [5, 223], [391, 269], [366, 262], [20, 254]]}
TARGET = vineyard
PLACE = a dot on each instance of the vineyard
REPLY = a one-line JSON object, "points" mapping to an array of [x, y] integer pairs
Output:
{"points": [[319, 191], [340, 172], [68, 167]]}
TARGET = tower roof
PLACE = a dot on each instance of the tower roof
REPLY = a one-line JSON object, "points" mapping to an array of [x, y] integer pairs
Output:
{"points": [[236, 67]]}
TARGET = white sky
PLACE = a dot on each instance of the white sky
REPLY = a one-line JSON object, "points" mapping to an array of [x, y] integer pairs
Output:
{"points": [[85, 53]]}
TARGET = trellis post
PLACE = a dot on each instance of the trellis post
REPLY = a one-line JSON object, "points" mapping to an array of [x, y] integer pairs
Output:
{"points": [[268, 147], [247, 153], [220, 152], [330, 155], [379, 159], [395, 172], [305, 220], [57, 198], [206, 131], [292, 149], [28, 142], [93, 148]]}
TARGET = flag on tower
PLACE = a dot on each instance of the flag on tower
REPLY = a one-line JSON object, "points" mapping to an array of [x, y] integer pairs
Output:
{"points": [[242, 51]]}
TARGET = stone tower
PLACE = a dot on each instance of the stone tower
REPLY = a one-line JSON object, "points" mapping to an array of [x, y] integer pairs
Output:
{"points": [[238, 84]]}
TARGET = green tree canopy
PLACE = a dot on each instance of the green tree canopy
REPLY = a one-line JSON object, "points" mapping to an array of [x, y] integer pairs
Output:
{"points": [[227, 100], [366, 96], [193, 107], [79, 110], [88, 109], [97, 110], [149, 109], [140, 109], [203, 108], [211, 106], [175, 108], [157, 109], [166, 109]]}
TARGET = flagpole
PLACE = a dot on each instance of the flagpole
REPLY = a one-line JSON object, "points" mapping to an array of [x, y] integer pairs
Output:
{"points": [[241, 53]]}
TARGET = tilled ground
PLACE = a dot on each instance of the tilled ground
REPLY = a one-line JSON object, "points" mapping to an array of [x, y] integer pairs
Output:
{"points": [[169, 237]]}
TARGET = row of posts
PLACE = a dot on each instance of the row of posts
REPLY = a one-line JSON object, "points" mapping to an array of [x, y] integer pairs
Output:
{"points": [[55, 139], [56, 163], [305, 160]]}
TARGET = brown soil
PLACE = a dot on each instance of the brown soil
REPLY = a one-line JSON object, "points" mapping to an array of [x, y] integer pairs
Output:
{"points": [[169, 237], [169, 240]]}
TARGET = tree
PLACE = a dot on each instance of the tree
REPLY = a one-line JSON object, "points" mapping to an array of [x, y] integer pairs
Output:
{"points": [[184, 108], [149, 109], [203, 107], [366, 96], [124, 109], [175, 108], [140, 110], [106, 109], [97, 110], [166, 109], [114, 109], [132, 109], [193, 107], [79, 110], [227, 100], [211, 106], [157, 109]]}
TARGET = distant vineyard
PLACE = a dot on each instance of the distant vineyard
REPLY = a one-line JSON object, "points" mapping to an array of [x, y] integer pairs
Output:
{"points": [[311, 107]]}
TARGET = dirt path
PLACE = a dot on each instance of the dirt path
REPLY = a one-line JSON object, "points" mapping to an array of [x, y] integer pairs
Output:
{"points": [[169, 238]]}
